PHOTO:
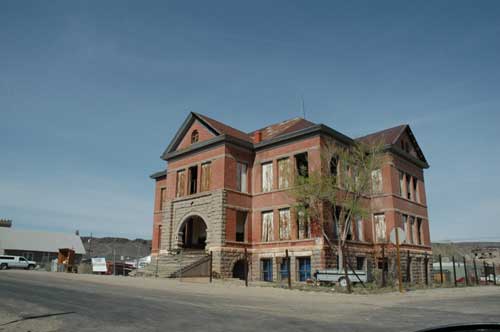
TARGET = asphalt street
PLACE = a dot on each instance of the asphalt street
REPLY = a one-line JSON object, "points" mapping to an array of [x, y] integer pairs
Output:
{"points": [[52, 302]]}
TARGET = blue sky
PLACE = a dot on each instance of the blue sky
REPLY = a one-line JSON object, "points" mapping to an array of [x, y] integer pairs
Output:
{"points": [[91, 93]]}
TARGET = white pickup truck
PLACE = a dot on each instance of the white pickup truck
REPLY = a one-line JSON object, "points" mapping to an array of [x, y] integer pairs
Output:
{"points": [[334, 276], [15, 262]]}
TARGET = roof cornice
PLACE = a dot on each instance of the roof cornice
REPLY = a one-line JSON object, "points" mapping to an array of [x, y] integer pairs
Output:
{"points": [[159, 174], [217, 140], [399, 152]]}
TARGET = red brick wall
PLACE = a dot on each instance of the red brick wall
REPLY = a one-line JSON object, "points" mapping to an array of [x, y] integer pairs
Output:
{"points": [[157, 214]]}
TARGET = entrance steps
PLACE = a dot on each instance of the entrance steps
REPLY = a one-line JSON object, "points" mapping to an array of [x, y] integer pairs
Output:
{"points": [[176, 265]]}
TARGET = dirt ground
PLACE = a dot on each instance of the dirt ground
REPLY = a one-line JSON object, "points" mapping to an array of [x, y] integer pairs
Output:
{"points": [[115, 303]]}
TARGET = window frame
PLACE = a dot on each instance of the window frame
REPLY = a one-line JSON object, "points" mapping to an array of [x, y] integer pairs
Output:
{"points": [[242, 177], [267, 181]]}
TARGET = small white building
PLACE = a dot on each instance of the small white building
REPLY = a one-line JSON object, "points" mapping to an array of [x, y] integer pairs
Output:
{"points": [[38, 246]]}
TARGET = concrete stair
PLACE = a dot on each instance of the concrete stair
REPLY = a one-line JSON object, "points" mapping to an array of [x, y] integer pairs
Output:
{"points": [[172, 266]]}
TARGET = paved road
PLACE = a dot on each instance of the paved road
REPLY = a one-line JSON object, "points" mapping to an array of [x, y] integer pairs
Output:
{"points": [[100, 303]]}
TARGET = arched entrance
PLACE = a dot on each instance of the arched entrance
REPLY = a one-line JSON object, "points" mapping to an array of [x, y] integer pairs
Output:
{"points": [[193, 233], [239, 269]]}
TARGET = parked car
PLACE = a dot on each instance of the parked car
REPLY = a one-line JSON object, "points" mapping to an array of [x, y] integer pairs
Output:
{"points": [[16, 262], [336, 276]]}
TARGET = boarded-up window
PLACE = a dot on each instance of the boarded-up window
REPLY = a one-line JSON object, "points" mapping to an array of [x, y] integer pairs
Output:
{"points": [[401, 184], [285, 224], [267, 177], [377, 181], [411, 228], [181, 183], [241, 177], [283, 173], [303, 226], [380, 229], [206, 170], [360, 236], [267, 226], [404, 222], [163, 197]]}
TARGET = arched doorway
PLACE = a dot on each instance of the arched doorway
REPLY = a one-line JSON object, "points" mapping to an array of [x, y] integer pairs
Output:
{"points": [[193, 233], [239, 269]]}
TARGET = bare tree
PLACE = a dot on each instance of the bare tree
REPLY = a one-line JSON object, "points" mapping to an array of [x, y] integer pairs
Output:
{"points": [[339, 189]]}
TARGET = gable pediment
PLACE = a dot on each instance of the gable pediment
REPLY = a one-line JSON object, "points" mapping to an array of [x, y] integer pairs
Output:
{"points": [[407, 142], [192, 126]]}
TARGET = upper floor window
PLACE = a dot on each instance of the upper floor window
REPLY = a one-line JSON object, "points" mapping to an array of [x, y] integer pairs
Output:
{"points": [[360, 235], [415, 190], [419, 231], [401, 183], [206, 174], [285, 229], [303, 226], [163, 197], [193, 180], [267, 226], [380, 228], [334, 166], [267, 177], [195, 136], [181, 183], [241, 177], [411, 227], [283, 173], [302, 164], [377, 181], [404, 222], [241, 220], [408, 187]]}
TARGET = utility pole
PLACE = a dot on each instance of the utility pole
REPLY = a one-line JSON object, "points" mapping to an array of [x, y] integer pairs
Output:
{"points": [[114, 260], [288, 269], [90, 246], [246, 267]]}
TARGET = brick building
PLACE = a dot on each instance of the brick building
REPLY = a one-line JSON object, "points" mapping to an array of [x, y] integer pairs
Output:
{"points": [[225, 190]]}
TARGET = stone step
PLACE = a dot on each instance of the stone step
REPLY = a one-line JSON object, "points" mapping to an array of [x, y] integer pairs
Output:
{"points": [[169, 266]]}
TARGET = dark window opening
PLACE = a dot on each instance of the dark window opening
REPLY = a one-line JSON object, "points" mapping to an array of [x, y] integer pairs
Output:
{"points": [[193, 180], [302, 164], [408, 186], [419, 230], [266, 268], [383, 264], [334, 166], [241, 220], [195, 136], [360, 263], [304, 268], [239, 269]]}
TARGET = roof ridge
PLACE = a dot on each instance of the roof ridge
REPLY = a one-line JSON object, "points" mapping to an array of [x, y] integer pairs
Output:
{"points": [[403, 126], [217, 123]]}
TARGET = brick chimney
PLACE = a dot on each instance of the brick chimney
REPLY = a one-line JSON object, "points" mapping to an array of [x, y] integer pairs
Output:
{"points": [[257, 137]]}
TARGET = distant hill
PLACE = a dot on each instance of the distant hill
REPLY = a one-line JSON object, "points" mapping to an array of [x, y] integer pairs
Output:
{"points": [[103, 247], [484, 250]]}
